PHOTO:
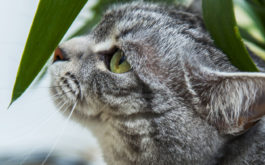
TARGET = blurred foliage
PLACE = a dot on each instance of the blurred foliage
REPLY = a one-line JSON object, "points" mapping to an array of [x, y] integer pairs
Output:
{"points": [[253, 32]]}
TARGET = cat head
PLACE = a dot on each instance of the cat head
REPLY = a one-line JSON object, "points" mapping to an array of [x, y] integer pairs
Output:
{"points": [[148, 60]]}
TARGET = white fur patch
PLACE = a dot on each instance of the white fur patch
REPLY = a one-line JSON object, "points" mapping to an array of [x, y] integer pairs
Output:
{"points": [[101, 66], [106, 45]]}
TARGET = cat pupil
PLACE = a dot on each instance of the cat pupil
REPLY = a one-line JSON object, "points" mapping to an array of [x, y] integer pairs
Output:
{"points": [[123, 58]]}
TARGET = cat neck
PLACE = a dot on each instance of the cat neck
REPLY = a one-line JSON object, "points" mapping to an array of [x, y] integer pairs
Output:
{"points": [[247, 147], [141, 140]]}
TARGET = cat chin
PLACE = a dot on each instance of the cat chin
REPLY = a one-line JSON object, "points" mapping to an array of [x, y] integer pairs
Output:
{"points": [[80, 113]]}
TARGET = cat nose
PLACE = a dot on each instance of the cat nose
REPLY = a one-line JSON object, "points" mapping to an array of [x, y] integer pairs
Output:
{"points": [[58, 55]]}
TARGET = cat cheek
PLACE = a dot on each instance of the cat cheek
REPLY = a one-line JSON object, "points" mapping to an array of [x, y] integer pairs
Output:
{"points": [[101, 66], [54, 70]]}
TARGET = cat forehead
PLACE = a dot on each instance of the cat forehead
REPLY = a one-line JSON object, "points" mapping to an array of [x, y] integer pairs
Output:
{"points": [[128, 18]]}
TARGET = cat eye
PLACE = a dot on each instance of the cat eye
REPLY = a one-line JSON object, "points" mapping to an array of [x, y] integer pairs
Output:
{"points": [[118, 63]]}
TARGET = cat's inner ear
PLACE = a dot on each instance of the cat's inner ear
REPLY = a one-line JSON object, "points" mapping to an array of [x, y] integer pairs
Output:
{"points": [[233, 102]]}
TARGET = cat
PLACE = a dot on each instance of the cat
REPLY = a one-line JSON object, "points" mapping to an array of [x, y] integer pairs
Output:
{"points": [[153, 88]]}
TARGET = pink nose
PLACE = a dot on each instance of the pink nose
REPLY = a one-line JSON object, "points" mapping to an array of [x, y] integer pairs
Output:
{"points": [[58, 55]]}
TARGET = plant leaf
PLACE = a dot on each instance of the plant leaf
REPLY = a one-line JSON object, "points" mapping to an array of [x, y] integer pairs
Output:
{"points": [[51, 21], [220, 21]]}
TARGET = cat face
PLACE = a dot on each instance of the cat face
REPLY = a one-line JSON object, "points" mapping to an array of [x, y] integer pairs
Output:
{"points": [[151, 77], [86, 79], [85, 76]]}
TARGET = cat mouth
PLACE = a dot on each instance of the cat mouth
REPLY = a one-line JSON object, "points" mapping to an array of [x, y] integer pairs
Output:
{"points": [[69, 87]]}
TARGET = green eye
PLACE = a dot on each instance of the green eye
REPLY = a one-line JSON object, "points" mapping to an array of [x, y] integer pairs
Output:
{"points": [[118, 63]]}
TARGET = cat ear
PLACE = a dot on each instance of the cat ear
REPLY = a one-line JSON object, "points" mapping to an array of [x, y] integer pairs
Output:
{"points": [[233, 102]]}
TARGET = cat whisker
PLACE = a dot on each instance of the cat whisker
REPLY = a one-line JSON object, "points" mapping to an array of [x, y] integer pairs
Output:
{"points": [[61, 133], [34, 149], [61, 106], [47, 87], [27, 155], [32, 88], [16, 140], [37, 100], [60, 94], [41, 99]]}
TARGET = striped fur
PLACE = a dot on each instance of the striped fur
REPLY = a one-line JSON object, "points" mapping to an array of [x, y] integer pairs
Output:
{"points": [[180, 103]]}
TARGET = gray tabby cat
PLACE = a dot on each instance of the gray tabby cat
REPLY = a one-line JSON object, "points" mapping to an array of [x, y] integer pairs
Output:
{"points": [[152, 87]]}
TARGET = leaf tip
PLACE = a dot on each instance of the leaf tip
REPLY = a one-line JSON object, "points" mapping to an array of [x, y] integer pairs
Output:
{"points": [[11, 102], [13, 99]]}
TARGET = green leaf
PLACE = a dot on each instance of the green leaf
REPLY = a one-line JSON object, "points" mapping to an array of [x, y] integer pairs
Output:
{"points": [[220, 21], [52, 20]]}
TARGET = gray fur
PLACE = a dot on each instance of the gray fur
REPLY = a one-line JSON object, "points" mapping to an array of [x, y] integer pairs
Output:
{"points": [[182, 102]]}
